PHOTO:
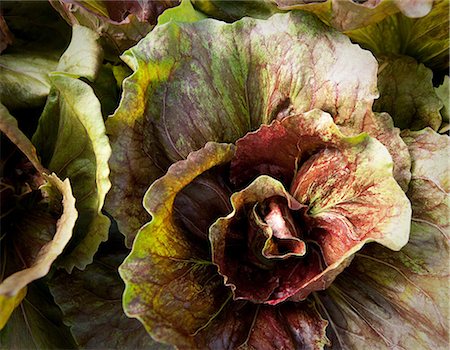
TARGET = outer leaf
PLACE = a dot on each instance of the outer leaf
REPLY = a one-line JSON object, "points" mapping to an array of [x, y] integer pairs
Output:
{"points": [[347, 14], [407, 93], [83, 57], [387, 300], [25, 81], [91, 304], [189, 88], [163, 259], [121, 24], [12, 288], [71, 141], [425, 39], [430, 182]]}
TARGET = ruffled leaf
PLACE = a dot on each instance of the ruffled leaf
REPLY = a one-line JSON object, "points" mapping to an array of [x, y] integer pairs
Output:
{"points": [[240, 248], [164, 259], [72, 142], [407, 93], [348, 14], [28, 247], [387, 299], [12, 289], [190, 88], [346, 187]]}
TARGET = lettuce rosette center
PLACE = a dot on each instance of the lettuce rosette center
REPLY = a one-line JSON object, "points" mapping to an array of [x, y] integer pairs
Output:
{"points": [[317, 198], [268, 220]]}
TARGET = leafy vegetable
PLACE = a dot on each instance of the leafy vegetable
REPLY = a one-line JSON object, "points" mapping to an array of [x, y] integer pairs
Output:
{"points": [[71, 141], [279, 186], [38, 241], [176, 102], [407, 289], [407, 93]]}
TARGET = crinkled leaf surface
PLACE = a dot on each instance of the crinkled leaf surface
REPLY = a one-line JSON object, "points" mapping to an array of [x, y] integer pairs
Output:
{"points": [[189, 88], [71, 141], [92, 306], [425, 39], [348, 14], [407, 93], [121, 24], [387, 299]]}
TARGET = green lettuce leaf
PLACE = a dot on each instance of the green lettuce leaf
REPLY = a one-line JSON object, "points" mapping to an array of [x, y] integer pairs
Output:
{"points": [[184, 12], [348, 14], [386, 299], [189, 88], [407, 93], [84, 55], [25, 81], [71, 141], [425, 39]]}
